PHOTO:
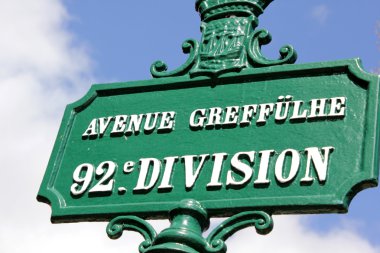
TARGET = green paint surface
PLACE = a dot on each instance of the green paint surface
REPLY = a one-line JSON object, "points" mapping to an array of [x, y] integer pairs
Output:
{"points": [[352, 166]]}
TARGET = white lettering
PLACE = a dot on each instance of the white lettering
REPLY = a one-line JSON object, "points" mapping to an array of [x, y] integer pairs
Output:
{"points": [[248, 112], [128, 167], [241, 168], [91, 129], [199, 116], [169, 164], [167, 121], [280, 166], [103, 124], [215, 116], [231, 117], [145, 165], [217, 169], [190, 175], [265, 110], [262, 178], [320, 165], [296, 111], [317, 109], [119, 125], [151, 121], [338, 107], [282, 107], [134, 123]]}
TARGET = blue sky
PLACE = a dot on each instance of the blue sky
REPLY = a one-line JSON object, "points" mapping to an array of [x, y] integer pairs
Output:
{"points": [[53, 50], [125, 38]]}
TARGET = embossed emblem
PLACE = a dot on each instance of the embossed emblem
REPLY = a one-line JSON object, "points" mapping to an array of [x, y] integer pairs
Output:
{"points": [[223, 45], [229, 41]]}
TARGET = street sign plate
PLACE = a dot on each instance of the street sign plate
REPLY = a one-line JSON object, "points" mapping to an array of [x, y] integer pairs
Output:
{"points": [[285, 139]]}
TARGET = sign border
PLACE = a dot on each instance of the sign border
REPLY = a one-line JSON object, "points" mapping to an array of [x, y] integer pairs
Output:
{"points": [[352, 67]]}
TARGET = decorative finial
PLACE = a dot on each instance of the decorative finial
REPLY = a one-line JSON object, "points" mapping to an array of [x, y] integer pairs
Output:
{"points": [[213, 9], [229, 41]]}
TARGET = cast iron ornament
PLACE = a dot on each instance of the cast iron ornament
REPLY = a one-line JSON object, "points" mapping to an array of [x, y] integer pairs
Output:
{"points": [[188, 221], [229, 41], [230, 44]]}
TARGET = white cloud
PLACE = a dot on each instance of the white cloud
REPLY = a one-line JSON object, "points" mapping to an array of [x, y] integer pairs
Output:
{"points": [[290, 235], [321, 13], [41, 70]]}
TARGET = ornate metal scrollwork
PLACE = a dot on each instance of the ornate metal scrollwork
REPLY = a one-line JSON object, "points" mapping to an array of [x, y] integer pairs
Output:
{"points": [[159, 68], [229, 41], [262, 37], [188, 220], [260, 220], [132, 223]]}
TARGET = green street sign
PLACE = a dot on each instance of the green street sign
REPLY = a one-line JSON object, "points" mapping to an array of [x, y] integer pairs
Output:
{"points": [[229, 133], [285, 139]]}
